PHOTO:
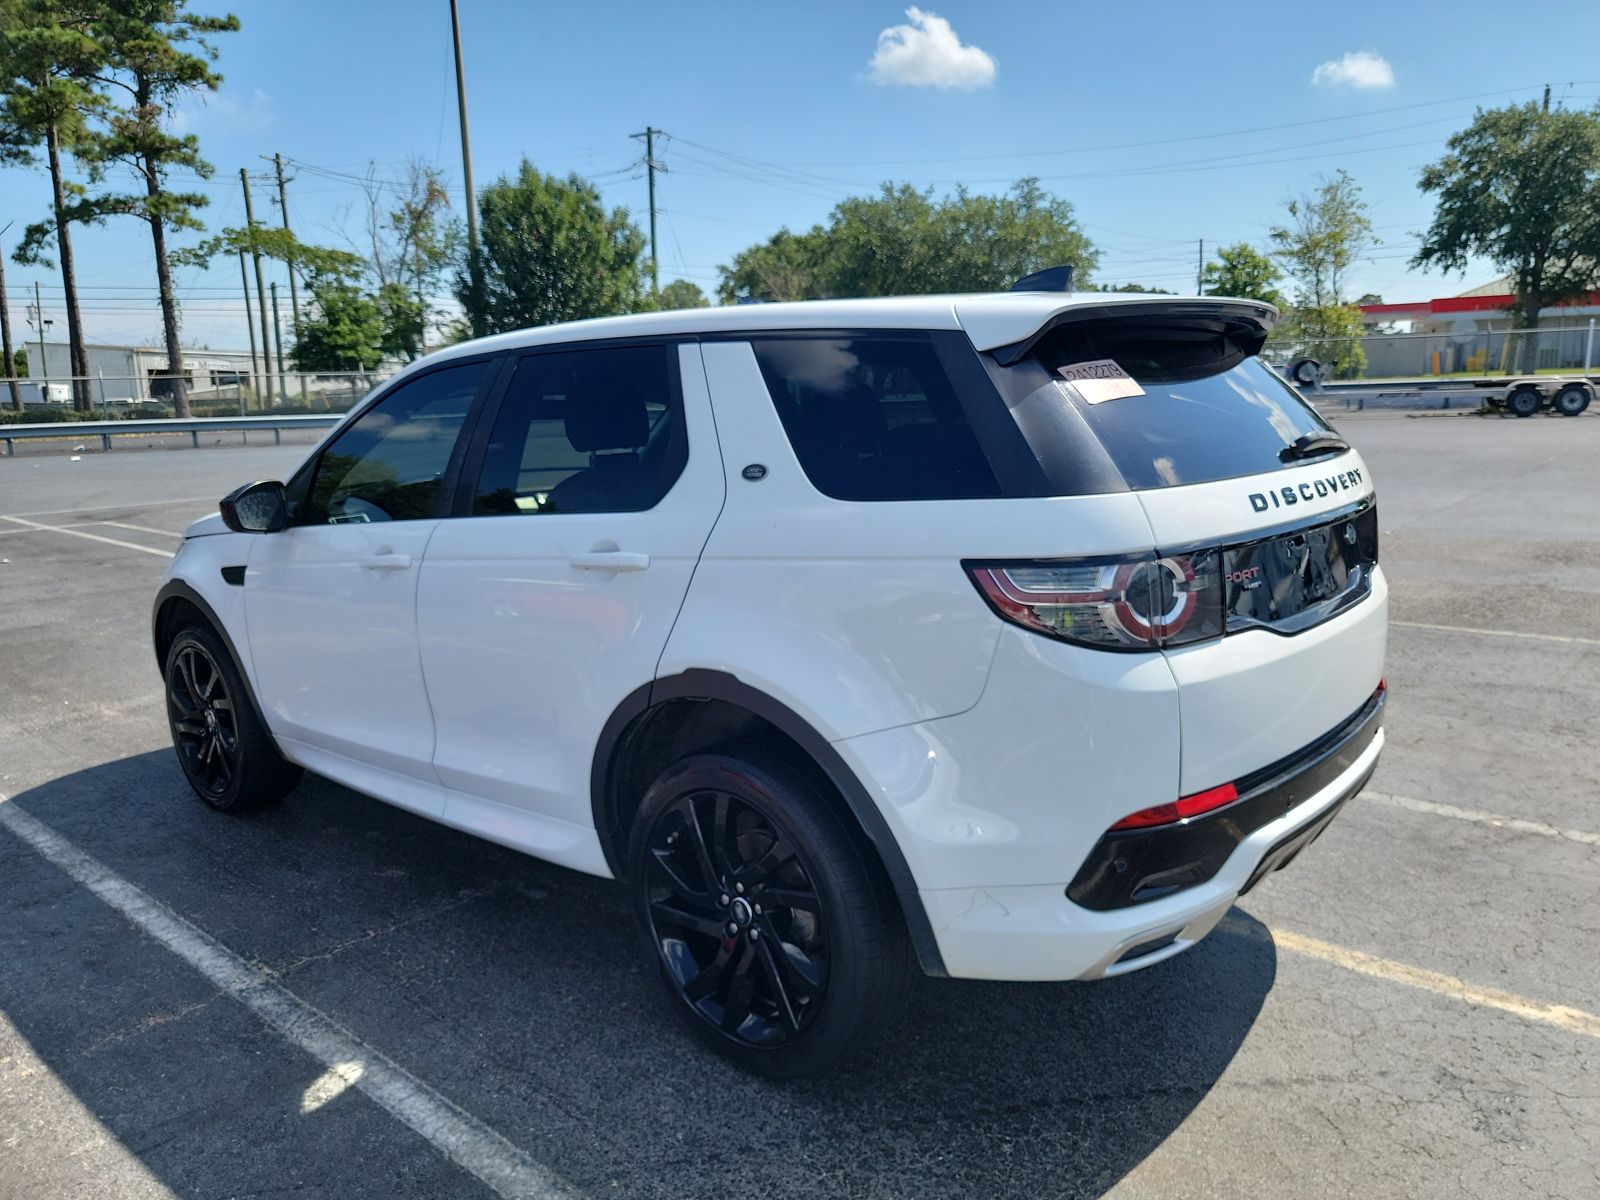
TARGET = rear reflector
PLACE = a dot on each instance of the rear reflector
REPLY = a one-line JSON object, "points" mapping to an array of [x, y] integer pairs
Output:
{"points": [[1184, 806]]}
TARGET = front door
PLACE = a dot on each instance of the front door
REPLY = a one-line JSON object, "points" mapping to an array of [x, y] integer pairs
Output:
{"points": [[330, 603], [544, 608]]}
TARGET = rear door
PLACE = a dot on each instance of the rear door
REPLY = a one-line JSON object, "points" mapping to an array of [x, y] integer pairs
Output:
{"points": [[1222, 454], [585, 504]]}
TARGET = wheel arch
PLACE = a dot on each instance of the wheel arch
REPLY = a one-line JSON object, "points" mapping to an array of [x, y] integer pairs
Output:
{"points": [[178, 600], [620, 739]]}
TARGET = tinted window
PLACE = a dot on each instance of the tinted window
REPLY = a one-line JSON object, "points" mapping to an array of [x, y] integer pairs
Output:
{"points": [[874, 418], [1208, 408], [585, 431], [387, 466]]}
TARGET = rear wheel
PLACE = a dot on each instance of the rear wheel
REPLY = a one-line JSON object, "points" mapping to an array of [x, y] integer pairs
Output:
{"points": [[1524, 401], [777, 941], [224, 748], [1572, 399]]}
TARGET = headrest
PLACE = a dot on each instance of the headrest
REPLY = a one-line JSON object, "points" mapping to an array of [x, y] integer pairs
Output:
{"points": [[609, 420]]}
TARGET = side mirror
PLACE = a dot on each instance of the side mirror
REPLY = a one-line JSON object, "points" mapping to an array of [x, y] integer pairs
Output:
{"points": [[256, 508]]}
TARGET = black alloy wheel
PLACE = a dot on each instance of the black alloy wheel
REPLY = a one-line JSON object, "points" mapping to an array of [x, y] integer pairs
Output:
{"points": [[223, 746], [736, 918], [205, 725], [779, 942]]}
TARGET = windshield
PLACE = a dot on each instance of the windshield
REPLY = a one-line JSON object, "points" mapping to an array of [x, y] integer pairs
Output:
{"points": [[1169, 403]]}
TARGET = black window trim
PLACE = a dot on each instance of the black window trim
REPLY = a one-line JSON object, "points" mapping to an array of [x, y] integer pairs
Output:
{"points": [[474, 453], [299, 486]]}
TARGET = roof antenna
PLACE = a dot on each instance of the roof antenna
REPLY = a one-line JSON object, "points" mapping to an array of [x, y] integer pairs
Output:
{"points": [[1051, 279]]}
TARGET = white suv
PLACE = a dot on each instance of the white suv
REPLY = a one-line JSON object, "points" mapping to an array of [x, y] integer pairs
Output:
{"points": [[1012, 636]]}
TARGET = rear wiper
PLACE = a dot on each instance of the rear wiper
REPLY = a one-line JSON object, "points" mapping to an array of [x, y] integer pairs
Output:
{"points": [[1309, 445]]}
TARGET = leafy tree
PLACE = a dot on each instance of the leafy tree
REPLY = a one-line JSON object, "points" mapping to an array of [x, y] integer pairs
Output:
{"points": [[155, 52], [274, 243], [680, 293], [1139, 288], [342, 330], [787, 266], [1327, 231], [1243, 271], [1521, 187], [48, 59], [905, 241], [409, 248], [549, 251]]}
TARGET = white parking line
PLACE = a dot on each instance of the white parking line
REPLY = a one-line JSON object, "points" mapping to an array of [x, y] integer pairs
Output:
{"points": [[1479, 817], [138, 528], [451, 1130], [36, 527], [1510, 633], [67, 512]]}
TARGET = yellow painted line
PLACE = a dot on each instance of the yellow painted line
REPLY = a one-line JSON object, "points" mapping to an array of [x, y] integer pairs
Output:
{"points": [[35, 527], [1560, 1016], [1480, 817], [1510, 633]]}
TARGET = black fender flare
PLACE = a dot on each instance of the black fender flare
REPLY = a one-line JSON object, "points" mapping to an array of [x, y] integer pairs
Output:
{"points": [[698, 683]]}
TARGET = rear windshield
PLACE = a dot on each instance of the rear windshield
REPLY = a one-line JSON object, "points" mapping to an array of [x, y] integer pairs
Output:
{"points": [[1169, 403]]}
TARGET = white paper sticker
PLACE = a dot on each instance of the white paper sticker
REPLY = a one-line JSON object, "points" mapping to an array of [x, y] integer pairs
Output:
{"points": [[1100, 380]]}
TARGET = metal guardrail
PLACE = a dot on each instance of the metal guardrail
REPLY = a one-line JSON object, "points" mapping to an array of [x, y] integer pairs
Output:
{"points": [[193, 426]]}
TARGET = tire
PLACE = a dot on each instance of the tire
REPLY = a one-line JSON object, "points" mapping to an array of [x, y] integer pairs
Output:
{"points": [[797, 986], [1304, 371], [222, 744], [1524, 401], [1572, 399]]}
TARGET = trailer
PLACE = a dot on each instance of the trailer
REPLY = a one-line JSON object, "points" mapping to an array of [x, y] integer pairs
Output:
{"points": [[1519, 395], [1524, 395]]}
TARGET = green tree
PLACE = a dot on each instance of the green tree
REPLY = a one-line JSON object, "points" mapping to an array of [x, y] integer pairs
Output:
{"points": [[1326, 232], [155, 53], [1137, 288], [48, 60], [680, 293], [549, 251], [410, 246], [787, 266], [1241, 270], [1521, 187], [342, 328]]}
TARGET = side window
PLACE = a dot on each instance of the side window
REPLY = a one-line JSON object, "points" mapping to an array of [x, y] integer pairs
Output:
{"points": [[580, 431], [388, 465], [874, 417]]}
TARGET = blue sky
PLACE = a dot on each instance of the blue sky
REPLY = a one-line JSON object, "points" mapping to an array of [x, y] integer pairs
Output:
{"points": [[1163, 123]]}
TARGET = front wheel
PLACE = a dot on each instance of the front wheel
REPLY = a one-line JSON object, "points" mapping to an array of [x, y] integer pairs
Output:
{"points": [[223, 746], [778, 941], [1524, 401]]}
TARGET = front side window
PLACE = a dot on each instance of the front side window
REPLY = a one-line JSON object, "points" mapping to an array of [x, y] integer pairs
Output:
{"points": [[389, 464], [874, 417], [583, 431]]}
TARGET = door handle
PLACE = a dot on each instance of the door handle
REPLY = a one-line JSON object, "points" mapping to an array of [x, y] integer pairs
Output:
{"points": [[610, 560], [387, 562]]}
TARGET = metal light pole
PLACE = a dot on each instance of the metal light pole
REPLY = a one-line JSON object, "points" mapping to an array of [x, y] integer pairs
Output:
{"points": [[474, 264]]}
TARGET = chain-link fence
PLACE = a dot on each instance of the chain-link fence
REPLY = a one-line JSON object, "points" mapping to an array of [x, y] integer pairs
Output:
{"points": [[212, 393], [1569, 349]]}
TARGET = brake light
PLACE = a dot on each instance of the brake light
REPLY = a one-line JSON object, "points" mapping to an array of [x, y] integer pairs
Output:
{"points": [[1185, 806], [1135, 603]]}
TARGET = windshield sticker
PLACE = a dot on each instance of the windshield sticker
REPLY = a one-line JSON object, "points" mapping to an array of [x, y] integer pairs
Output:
{"points": [[1099, 381]]}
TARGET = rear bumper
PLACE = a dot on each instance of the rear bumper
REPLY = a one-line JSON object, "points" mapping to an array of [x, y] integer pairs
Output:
{"points": [[1037, 933]]}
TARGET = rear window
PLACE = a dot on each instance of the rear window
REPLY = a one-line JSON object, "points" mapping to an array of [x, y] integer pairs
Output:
{"points": [[1171, 403], [874, 417]]}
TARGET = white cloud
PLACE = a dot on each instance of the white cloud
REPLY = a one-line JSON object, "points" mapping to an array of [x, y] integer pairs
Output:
{"points": [[927, 53], [1357, 69]]}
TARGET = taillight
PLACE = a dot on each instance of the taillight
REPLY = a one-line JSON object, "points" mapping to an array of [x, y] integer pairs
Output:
{"points": [[1184, 806], [1135, 603]]}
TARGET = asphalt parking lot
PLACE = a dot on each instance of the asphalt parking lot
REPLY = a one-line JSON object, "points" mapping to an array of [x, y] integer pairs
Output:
{"points": [[1409, 1010]]}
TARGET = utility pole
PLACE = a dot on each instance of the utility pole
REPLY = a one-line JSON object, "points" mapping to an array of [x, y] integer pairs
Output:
{"points": [[44, 363], [474, 262], [1547, 97], [261, 287], [249, 325], [294, 291], [8, 363], [1200, 269], [277, 341], [651, 167]]}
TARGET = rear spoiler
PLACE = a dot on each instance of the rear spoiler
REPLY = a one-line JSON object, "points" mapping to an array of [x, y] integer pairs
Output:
{"points": [[1247, 320]]}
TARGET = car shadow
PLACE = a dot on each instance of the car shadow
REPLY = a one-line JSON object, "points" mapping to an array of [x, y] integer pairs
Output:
{"points": [[520, 991]]}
